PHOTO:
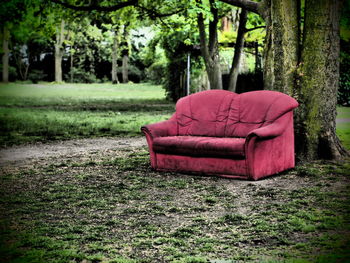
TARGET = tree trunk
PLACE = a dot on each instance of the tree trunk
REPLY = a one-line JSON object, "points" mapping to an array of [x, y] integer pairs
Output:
{"points": [[125, 53], [6, 55], [59, 52], [210, 51], [257, 58], [71, 67], [115, 79], [238, 51], [282, 45], [214, 75], [125, 66], [319, 82], [310, 74]]}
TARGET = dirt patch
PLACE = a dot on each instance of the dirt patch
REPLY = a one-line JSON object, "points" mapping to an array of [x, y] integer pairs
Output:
{"points": [[18, 155]]}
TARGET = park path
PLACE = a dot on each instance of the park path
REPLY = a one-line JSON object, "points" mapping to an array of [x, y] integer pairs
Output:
{"points": [[77, 147], [37, 151], [342, 120]]}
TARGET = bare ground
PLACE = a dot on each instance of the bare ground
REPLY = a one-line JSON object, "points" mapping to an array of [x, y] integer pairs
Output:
{"points": [[18, 155], [106, 187]]}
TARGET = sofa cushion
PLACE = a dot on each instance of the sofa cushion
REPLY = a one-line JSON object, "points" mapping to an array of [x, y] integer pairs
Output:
{"points": [[204, 113], [220, 113], [200, 146]]}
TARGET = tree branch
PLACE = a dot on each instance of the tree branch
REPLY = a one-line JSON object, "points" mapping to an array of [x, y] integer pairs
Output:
{"points": [[246, 4], [203, 37], [154, 14], [254, 28], [213, 34], [93, 6]]}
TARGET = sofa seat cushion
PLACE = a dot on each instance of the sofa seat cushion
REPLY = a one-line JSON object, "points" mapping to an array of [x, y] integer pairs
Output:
{"points": [[200, 146]]}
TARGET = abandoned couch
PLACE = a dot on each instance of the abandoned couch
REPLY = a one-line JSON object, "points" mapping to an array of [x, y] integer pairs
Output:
{"points": [[218, 132]]}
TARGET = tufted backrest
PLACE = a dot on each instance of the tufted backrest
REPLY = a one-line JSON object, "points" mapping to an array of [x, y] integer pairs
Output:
{"points": [[222, 113]]}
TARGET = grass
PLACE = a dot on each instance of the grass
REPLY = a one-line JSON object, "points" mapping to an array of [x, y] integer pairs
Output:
{"points": [[343, 128], [43, 112], [116, 209], [111, 207]]}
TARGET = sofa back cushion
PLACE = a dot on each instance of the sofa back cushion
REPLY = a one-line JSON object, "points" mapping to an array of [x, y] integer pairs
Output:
{"points": [[222, 113], [204, 113]]}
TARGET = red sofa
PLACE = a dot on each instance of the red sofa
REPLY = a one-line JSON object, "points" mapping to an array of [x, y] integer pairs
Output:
{"points": [[218, 132]]}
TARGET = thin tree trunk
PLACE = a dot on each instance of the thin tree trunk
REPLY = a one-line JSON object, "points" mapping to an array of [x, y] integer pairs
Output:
{"points": [[257, 58], [238, 51], [319, 82], [125, 65], [125, 61], [6, 55], [59, 52], [210, 51], [71, 67], [115, 79]]}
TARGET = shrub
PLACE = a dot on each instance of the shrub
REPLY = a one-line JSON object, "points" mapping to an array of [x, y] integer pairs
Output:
{"points": [[344, 80], [156, 73]]}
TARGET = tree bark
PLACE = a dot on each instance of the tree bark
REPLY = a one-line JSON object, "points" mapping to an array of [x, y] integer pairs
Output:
{"points": [[210, 50], [125, 53], [319, 73], [281, 45], [6, 55], [125, 65], [238, 51], [115, 79], [59, 51], [71, 67]]}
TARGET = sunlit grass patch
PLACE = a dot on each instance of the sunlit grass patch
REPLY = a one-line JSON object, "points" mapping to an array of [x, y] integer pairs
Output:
{"points": [[43, 112], [343, 127], [28, 125]]}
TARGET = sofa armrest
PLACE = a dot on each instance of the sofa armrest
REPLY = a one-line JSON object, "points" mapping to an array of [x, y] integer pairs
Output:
{"points": [[272, 130], [270, 149], [161, 129]]}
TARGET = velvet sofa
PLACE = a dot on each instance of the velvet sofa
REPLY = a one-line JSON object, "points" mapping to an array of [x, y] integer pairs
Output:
{"points": [[218, 132]]}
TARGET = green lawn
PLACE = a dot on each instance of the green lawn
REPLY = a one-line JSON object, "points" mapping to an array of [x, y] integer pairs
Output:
{"points": [[44, 112], [343, 128]]}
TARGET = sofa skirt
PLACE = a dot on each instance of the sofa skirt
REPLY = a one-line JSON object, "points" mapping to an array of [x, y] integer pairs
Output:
{"points": [[230, 168]]}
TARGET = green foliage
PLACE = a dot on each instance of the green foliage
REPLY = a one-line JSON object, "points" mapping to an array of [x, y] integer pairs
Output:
{"points": [[344, 81], [156, 73], [36, 75]]}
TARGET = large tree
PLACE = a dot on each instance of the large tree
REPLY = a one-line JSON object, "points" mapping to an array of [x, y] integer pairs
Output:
{"points": [[11, 14], [302, 59]]}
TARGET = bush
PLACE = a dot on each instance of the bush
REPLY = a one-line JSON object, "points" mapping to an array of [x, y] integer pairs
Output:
{"points": [[36, 75], [156, 73], [81, 76], [344, 81]]}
